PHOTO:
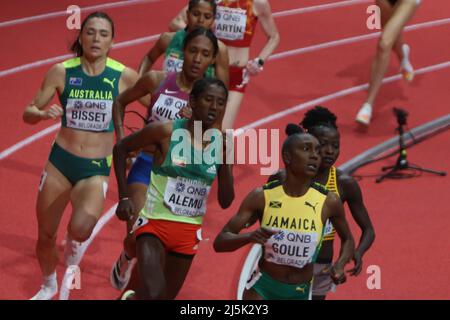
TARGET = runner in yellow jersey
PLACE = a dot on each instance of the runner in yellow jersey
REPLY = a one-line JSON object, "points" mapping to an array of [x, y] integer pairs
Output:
{"points": [[321, 123], [292, 215]]}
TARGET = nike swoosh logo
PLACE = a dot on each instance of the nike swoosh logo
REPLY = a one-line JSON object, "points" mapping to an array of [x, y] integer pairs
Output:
{"points": [[170, 92]]}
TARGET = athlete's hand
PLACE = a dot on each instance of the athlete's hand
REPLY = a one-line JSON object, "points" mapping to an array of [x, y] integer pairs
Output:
{"points": [[254, 67], [356, 270], [261, 235], [337, 274], [54, 112], [125, 209], [185, 112]]}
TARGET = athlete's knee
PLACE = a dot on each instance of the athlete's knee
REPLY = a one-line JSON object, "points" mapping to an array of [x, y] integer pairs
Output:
{"points": [[156, 290], [80, 231], [46, 240], [385, 45]]}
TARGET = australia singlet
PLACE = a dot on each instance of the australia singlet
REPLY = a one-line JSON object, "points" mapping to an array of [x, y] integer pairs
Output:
{"points": [[168, 100], [179, 188], [235, 22], [298, 221], [87, 100], [174, 57]]}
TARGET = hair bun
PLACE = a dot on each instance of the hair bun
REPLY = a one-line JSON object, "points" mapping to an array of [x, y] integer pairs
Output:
{"points": [[292, 128]]}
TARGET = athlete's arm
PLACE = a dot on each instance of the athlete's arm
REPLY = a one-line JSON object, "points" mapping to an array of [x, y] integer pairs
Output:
{"points": [[334, 211], [155, 52], [264, 13], [127, 80], [53, 82], [144, 86], [153, 134], [222, 64], [250, 211], [354, 199], [180, 21], [225, 192]]}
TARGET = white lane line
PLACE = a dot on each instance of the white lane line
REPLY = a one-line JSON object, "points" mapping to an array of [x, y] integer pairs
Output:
{"points": [[132, 2], [137, 41], [110, 213], [130, 43], [335, 43], [64, 13], [338, 94], [321, 7], [5, 153]]}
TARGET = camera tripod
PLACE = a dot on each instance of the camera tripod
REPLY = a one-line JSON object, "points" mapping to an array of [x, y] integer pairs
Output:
{"points": [[402, 163]]}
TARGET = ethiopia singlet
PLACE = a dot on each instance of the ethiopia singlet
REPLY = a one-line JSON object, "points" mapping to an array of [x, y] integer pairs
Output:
{"points": [[174, 57], [235, 22], [299, 222], [179, 188], [331, 185], [168, 100], [87, 100]]}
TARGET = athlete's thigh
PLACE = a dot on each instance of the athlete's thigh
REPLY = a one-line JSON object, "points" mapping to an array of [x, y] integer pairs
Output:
{"points": [[233, 105], [250, 294], [386, 11], [53, 197], [400, 16], [88, 197], [176, 270]]}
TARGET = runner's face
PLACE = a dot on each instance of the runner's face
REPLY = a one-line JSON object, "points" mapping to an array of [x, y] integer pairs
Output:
{"points": [[304, 156], [96, 38], [201, 15], [329, 140], [209, 107], [198, 55]]}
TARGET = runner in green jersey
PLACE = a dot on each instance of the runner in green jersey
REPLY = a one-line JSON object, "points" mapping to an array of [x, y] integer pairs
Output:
{"points": [[168, 228]]}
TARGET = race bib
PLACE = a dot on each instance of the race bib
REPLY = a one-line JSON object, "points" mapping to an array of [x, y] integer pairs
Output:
{"points": [[173, 63], [186, 197], [230, 23], [167, 107], [92, 115], [291, 248]]}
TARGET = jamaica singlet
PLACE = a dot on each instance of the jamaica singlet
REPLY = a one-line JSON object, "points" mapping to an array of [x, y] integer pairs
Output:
{"points": [[299, 222], [87, 100], [331, 185]]}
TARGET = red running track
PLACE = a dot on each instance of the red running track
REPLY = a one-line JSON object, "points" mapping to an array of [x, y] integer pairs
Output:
{"points": [[410, 216]]}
